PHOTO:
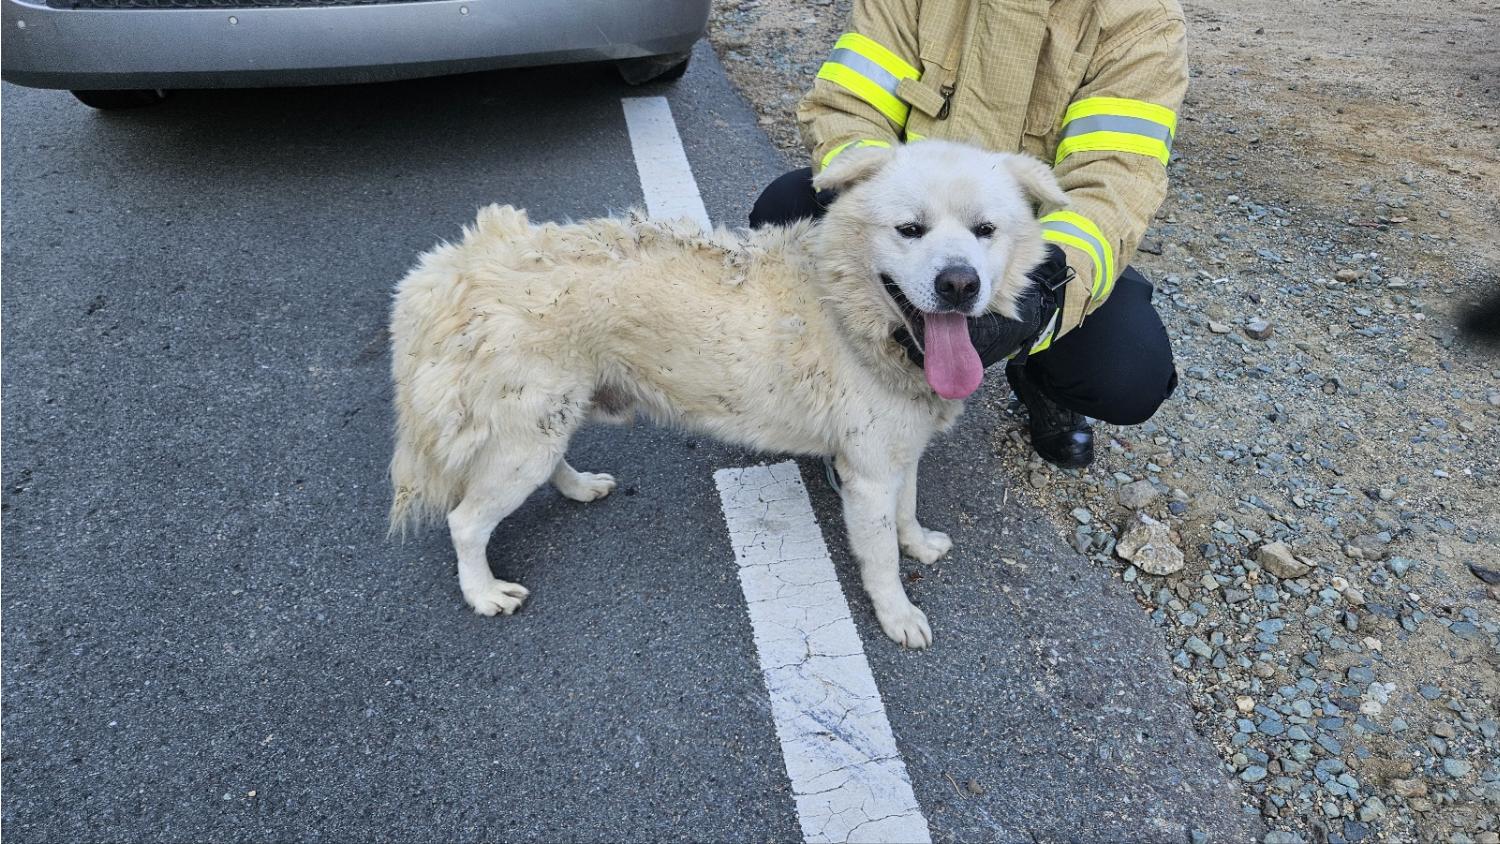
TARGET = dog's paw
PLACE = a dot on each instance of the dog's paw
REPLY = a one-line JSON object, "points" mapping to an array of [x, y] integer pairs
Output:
{"points": [[586, 486], [926, 546], [496, 597], [906, 625]]}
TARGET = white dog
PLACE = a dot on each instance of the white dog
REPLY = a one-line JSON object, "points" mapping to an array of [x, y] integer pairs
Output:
{"points": [[777, 339]]}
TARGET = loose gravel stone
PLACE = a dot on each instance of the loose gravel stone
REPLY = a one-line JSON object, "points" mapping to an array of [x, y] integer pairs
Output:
{"points": [[1276, 557], [1148, 543], [1137, 494], [1457, 768], [1409, 788], [1399, 566]]}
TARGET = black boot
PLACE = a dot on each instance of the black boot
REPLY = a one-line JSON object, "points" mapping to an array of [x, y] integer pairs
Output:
{"points": [[1062, 437]]}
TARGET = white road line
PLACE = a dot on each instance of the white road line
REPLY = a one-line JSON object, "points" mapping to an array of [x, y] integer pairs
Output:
{"points": [[666, 178], [848, 777]]}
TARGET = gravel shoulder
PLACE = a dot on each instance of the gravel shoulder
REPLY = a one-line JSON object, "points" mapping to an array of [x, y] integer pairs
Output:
{"points": [[1328, 468]]}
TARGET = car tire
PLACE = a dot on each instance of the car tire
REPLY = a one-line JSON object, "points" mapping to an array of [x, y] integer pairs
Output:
{"points": [[667, 68], [115, 100]]}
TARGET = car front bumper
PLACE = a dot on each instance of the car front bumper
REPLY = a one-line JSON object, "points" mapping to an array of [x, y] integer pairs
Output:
{"points": [[96, 48]]}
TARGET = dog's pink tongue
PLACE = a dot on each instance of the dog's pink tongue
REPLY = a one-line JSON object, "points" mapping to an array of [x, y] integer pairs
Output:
{"points": [[952, 366]]}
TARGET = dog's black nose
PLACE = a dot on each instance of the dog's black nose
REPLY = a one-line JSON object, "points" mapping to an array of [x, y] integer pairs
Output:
{"points": [[958, 286]]}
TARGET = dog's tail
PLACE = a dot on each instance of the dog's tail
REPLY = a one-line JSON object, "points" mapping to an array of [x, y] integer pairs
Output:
{"points": [[420, 493], [437, 437], [428, 463]]}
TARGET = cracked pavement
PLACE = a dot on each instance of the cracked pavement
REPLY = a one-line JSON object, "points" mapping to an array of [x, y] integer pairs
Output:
{"points": [[207, 635]]}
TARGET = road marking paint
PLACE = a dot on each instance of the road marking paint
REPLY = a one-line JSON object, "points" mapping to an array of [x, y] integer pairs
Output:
{"points": [[666, 179], [848, 778]]}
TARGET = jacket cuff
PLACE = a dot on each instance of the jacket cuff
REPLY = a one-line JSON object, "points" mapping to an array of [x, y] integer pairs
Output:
{"points": [[833, 153], [1079, 300]]}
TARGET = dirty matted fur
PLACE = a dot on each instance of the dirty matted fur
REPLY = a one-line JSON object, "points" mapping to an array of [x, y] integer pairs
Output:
{"points": [[778, 339]]}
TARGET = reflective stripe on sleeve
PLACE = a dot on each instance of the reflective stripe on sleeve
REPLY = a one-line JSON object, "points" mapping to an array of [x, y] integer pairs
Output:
{"points": [[870, 72], [833, 153], [1114, 124], [875, 52], [1076, 230]]}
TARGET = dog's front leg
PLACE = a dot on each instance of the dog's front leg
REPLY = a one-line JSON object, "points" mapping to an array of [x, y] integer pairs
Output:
{"points": [[923, 545], [870, 505]]}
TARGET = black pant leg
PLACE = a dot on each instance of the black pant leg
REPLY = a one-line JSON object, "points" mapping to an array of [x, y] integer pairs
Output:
{"points": [[788, 199], [1118, 365]]}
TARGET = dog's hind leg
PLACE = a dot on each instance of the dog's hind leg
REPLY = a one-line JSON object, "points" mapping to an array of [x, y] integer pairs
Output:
{"points": [[919, 543], [499, 483], [870, 503], [581, 486]]}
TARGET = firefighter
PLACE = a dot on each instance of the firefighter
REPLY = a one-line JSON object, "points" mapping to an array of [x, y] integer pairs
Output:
{"points": [[1092, 87]]}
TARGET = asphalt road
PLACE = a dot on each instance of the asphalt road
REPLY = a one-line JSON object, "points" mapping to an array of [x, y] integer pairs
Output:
{"points": [[207, 635]]}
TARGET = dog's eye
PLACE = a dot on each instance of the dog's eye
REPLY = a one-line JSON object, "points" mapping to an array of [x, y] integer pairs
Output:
{"points": [[984, 230], [912, 230]]}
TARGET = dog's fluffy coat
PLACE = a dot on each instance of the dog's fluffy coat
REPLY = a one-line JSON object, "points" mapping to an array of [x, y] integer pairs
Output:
{"points": [[780, 339]]}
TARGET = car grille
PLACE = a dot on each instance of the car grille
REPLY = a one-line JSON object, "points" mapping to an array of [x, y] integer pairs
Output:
{"points": [[214, 4]]}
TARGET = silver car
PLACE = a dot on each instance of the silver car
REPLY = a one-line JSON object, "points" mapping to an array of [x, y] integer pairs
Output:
{"points": [[124, 53]]}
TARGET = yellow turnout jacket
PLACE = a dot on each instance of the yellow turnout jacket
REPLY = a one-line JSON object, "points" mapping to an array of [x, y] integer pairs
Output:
{"points": [[1092, 86]]}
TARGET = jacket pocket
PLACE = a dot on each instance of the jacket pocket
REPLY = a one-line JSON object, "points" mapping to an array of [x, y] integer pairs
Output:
{"points": [[1058, 78]]}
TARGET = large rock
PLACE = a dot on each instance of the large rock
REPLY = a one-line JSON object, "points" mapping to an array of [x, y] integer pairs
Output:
{"points": [[1148, 543], [1276, 558]]}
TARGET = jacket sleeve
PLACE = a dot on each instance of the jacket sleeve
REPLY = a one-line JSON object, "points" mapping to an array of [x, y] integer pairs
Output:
{"points": [[1111, 159], [853, 100]]}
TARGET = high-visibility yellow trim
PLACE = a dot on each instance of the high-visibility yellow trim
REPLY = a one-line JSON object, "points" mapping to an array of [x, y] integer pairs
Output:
{"points": [[1078, 242], [1113, 142], [877, 53], [1118, 125], [1088, 225], [1103, 253], [1047, 336], [913, 137], [861, 86], [1091, 106], [833, 153]]}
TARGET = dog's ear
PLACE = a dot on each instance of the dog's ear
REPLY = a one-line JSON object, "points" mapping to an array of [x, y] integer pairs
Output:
{"points": [[851, 167], [1036, 178]]}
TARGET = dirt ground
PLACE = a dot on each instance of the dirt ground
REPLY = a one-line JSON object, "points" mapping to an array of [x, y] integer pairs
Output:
{"points": [[1337, 174]]}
